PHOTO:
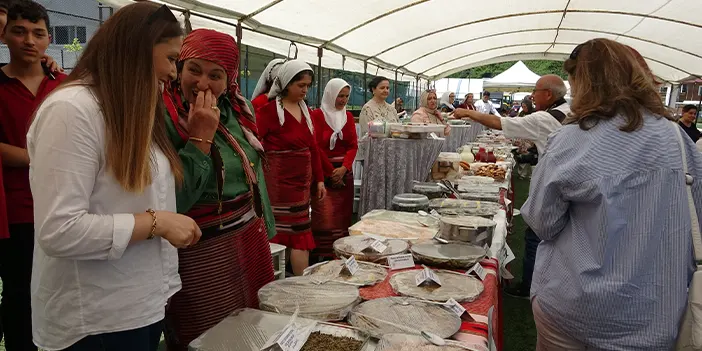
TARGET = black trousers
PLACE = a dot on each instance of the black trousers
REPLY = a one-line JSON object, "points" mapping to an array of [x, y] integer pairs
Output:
{"points": [[16, 274], [142, 339]]}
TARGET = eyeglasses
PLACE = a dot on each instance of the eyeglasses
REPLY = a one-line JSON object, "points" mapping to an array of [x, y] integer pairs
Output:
{"points": [[163, 13]]}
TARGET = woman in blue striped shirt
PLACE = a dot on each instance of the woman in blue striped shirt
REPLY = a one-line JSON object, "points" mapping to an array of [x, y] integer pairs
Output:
{"points": [[608, 200]]}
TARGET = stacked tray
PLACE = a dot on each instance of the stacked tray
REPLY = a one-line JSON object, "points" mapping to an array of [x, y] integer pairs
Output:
{"points": [[330, 301], [351, 245], [452, 255], [404, 315], [457, 286]]}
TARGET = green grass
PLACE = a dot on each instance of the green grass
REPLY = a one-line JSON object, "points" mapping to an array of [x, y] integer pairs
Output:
{"points": [[519, 329]]}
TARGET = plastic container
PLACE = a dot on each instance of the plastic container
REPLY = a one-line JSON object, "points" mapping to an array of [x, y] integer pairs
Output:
{"points": [[410, 203], [430, 190], [417, 128], [467, 155], [378, 129], [447, 166]]}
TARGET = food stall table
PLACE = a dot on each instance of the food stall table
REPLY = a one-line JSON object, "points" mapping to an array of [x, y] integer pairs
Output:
{"points": [[460, 135], [391, 166]]}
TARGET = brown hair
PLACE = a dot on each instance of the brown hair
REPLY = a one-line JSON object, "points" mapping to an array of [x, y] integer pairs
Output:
{"points": [[117, 65], [608, 81]]}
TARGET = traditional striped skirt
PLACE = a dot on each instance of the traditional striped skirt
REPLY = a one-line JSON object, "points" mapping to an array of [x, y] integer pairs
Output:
{"points": [[289, 180], [331, 217], [221, 273]]}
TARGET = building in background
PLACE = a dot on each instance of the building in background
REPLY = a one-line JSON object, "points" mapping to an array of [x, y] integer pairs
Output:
{"points": [[70, 20]]}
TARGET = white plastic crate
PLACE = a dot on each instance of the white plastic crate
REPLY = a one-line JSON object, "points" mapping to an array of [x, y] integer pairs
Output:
{"points": [[278, 253]]}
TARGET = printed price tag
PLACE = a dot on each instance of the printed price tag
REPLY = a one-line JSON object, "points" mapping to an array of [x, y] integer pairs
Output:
{"points": [[487, 249], [427, 276], [378, 246], [400, 261], [351, 265], [455, 307], [509, 255], [478, 270], [289, 339]]}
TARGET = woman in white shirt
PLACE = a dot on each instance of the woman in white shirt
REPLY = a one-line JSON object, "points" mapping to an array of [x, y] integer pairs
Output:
{"points": [[103, 177]]}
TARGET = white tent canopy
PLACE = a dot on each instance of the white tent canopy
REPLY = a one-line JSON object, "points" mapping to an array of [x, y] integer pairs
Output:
{"points": [[518, 78], [435, 38]]}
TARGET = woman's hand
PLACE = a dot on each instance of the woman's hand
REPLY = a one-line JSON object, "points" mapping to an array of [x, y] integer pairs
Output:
{"points": [[321, 191], [181, 231], [203, 118], [338, 174]]}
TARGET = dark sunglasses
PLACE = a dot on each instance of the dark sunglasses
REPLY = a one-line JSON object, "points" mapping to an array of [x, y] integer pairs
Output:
{"points": [[576, 51], [163, 13]]}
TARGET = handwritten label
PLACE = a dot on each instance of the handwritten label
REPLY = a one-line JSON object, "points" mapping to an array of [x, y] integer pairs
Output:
{"points": [[351, 265], [376, 237], [478, 270], [506, 256], [378, 246], [455, 307], [289, 339], [400, 261], [427, 276]]}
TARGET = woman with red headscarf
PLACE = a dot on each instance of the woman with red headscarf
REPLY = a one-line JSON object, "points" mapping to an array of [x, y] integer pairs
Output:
{"points": [[224, 189], [291, 149]]}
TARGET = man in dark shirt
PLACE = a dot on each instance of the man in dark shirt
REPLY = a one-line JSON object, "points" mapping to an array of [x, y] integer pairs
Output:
{"points": [[688, 122], [24, 83]]}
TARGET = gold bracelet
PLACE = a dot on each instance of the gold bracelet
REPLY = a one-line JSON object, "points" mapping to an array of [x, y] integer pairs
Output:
{"points": [[153, 224], [201, 140]]}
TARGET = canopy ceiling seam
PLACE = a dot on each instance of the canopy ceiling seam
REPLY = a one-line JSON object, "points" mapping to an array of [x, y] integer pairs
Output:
{"points": [[641, 20], [555, 38], [458, 69], [284, 35], [545, 12], [549, 29], [388, 13]]}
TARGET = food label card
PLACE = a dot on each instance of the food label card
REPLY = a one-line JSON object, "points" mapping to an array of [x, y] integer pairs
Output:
{"points": [[401, 261], [427, 276], [478, 270], [455, 307]]}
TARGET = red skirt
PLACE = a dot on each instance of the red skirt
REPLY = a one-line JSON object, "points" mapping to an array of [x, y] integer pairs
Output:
{"points": [[220, 274], [331, 217], [289, 180]]}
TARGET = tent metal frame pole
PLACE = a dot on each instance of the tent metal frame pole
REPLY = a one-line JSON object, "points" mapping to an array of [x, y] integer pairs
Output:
{"points": [[320, 53], [416, 95], [246, 70], [394, 88], [365, 81], [239, 33]]}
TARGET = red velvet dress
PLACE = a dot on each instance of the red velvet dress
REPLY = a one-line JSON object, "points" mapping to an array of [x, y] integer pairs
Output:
{"points": [[331, 217], [294, 170]]}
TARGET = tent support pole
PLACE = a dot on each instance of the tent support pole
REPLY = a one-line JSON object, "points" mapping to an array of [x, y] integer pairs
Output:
{"points": [[239, 33], [320, 53], [416, 95], [365, 81], [246, 70], [394, 88]]}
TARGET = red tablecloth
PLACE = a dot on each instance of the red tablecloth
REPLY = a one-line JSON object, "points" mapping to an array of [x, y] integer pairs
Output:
{"points": [[473, 330]]}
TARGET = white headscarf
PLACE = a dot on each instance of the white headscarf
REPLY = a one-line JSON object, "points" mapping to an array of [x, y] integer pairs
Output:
{"points": [[286, 73], [267, 77], [445, 100], [336, 119]]}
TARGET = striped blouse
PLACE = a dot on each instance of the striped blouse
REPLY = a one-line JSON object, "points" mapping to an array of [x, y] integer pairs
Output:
{"points": [[611, 208]]}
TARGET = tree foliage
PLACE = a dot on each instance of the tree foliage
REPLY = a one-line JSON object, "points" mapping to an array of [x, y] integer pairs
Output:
{"points": [[540, 67]]}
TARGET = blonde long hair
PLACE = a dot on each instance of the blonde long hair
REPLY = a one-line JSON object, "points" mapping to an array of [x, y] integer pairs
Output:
{"points": [[117, 65], [607, 80]]}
